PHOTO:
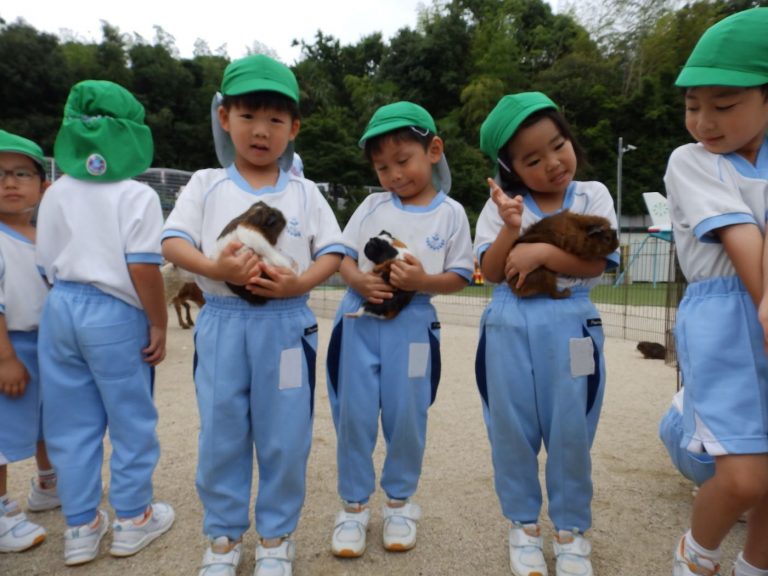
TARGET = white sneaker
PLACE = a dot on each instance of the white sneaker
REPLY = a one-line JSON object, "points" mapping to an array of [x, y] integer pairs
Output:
{"points": [[689, 564], [526, 557], [42, 499], [349, 533], [221, 558], [134, 534], [81, 543], [16, 532], [399, 531], [275, 561], [572, 552]]}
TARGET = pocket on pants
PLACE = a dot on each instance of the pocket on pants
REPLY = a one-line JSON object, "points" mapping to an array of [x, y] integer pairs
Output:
{"points": [[112, 352]]}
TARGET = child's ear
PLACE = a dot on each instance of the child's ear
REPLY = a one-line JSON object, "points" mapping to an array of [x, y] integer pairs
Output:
{"points": [[435, 150], [295, 126], [223, 114]]}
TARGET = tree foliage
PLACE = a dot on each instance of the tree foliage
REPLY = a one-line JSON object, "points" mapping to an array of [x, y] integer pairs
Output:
{"points": [[609, 65]]}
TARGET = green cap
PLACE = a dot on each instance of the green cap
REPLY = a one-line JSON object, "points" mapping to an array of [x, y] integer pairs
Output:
{"points": [[408, 115], [397, 115], [504, 120], [258, 73], [13, 143], [733, 52], [103, 137]]}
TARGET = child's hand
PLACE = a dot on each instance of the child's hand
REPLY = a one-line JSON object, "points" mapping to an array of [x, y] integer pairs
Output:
{"points": [[279, 282], [372, 287], [407, 274], [13, 377], [524, 259], [237, 268], [510, 209], [154, 353]]}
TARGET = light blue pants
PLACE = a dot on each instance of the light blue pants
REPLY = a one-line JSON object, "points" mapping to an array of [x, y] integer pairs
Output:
{"points": [[20, 426], [541, 375], [387, 368], [719, 343], [698, 468], [255, 379], [95, 377]]}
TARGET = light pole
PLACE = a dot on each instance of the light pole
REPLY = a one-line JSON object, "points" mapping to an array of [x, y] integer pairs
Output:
{"points": [[622, 149]]}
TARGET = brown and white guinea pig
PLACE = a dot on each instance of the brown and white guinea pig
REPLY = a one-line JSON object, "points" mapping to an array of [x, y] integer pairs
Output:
{"points": [[383, 250], [258, 229], [584, 235]]}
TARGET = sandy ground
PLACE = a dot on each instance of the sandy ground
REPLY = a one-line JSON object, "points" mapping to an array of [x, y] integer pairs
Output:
{"points": [[641, 504]]}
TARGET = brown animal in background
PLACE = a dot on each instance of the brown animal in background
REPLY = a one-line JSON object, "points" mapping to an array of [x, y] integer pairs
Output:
{"points": [[652, 350], [189, 292], [584, 235], [180, 289]]}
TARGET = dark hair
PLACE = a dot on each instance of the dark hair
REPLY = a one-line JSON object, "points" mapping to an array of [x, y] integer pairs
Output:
{"points": [[263, 99], [511, 183], [405, 134]]}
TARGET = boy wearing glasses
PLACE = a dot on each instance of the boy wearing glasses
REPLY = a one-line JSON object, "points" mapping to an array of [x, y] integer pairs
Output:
{"points": [[22, 293]]}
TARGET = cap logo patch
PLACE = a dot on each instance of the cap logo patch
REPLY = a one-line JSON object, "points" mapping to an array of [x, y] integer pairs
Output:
{"points": [[96, 165]]}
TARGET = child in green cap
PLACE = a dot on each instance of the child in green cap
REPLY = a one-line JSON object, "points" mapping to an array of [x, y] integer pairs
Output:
{"points": [[540, 366], [103, 325], [389, 367], [22, 294], [254, 374], [718, 200]]}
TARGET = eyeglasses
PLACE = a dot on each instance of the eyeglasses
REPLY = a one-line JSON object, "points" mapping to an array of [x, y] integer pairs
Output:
{"points": [[20, 174]]}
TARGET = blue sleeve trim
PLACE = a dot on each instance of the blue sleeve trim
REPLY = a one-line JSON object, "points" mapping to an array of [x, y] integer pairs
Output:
{"points": [[704, 229], [143, 258], [332, 249], [463, 272], [2, 308], [480, 250], [178, 234], [613, 261]]}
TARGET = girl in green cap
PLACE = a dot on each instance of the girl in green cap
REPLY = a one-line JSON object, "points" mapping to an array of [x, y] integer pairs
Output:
{"points": [[718, 201], [540, 367], [22, 294]]}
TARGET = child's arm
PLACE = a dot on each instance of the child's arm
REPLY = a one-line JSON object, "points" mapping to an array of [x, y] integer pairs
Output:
{"points": [[228, 267], [525, 258], [369, 285], [762, 312], [744, 245], [281, 282], [13, 374], [148, 282], [409, 274], [511, 212]]}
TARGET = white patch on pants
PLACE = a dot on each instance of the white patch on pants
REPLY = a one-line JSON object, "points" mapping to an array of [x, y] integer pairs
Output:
{"points": [[290, 368], [418, 356], [582, 356]]}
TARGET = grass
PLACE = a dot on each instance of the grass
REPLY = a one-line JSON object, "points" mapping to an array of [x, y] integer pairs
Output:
{"points": [[635, 294]]}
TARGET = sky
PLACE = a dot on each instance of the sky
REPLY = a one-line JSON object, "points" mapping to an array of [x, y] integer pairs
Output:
{"points": [[274, 23]]}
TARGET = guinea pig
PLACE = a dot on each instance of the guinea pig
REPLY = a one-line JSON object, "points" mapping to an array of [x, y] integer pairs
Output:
{"points": [[652, 350], [384, 250], [258, 229], [584, 235]]}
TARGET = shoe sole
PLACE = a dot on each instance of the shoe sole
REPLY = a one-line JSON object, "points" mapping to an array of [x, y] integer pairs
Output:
{"points": [[399, 547], [347, 553], [123, 552], [36, 542]]}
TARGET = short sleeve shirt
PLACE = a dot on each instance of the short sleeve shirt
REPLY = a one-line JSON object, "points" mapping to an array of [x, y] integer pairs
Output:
{"points": [[213, 197], [707, 192], [22, 288], [88, 232], [580, 197], [437, 235]]}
